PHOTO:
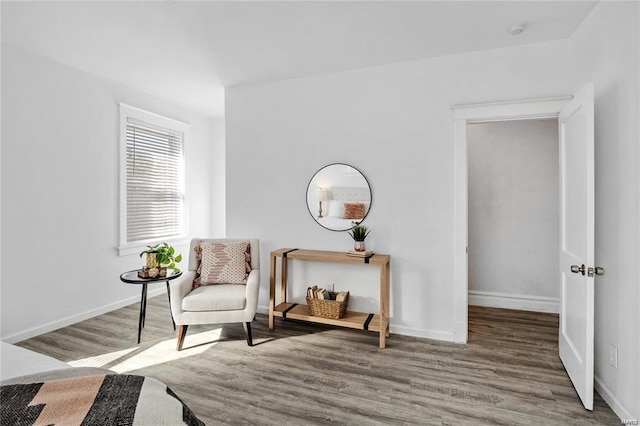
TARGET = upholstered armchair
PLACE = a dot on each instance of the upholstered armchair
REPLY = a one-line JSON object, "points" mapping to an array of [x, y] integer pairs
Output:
{"points": [[225, 291]]}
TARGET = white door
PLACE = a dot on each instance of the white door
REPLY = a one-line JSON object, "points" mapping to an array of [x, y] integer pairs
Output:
{"points": [[576, 242]]}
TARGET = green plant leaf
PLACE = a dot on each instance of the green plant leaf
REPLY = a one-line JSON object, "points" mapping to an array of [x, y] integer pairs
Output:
{"points": [[359, 232], [165, 254]]}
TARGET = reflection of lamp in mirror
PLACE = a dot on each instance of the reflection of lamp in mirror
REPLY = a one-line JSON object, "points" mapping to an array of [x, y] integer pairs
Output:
{"points": [[323, 195]]}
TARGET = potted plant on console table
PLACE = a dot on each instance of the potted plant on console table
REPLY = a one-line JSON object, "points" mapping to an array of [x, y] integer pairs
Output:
{"points": [[159, 258], [359, 233]]}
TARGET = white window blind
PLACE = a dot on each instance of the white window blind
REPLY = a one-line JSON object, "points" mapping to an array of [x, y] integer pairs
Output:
{"points": [[154, 181]]}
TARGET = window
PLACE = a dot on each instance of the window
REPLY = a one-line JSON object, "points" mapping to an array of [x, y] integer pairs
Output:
{"points": [[152, 178]]}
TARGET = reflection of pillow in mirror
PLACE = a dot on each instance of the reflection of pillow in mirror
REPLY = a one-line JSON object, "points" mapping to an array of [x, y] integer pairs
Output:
{"points": [[353, 210], [366, 207], [336, 208], [366, 204]]}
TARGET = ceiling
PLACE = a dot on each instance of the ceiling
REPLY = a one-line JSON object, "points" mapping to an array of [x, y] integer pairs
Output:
{"points": [[188, 52]]}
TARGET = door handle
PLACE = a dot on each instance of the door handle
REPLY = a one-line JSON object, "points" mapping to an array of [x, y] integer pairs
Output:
{"points": [[578, 269], [597, 270]]}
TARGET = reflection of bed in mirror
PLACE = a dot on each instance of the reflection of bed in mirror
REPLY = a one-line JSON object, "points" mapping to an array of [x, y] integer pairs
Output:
{"points": [[347, 206], [338, 197]]}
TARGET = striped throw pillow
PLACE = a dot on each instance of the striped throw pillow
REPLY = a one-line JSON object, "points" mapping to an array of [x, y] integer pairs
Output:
{"points": [[224, 263]]}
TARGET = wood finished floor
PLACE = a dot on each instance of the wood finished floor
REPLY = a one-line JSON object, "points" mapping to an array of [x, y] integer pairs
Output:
{"points": [[508, 374]]}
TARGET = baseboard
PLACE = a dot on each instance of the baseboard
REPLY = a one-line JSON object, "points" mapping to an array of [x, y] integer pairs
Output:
{"points": [[611, 400], [402, 330], [420, 332], [521, 302], [461, 332], [64, 322]]}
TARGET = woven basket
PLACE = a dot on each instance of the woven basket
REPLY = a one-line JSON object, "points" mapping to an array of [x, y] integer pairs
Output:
{"points": [[328, 308]]}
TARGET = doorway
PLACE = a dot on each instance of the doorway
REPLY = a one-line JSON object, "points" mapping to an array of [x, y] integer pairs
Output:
{"points": [[463, 116], [577, 270], [513, 219]]}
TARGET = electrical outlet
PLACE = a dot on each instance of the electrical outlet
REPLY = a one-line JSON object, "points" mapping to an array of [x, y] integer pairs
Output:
{"points": [[613, 356]]}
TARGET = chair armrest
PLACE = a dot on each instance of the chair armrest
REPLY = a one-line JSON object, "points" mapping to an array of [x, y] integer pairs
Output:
{"points": [[253, 289], [178, 289]]}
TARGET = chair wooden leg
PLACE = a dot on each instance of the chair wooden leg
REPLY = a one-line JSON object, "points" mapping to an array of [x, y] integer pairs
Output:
{"points": [[247, 332], [182, 332]]}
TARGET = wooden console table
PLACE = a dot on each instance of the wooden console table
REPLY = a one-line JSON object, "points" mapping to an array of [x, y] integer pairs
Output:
{"points": [[358, 320]]}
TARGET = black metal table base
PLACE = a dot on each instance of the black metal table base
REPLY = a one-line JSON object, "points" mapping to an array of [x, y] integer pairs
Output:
{"points": [[143, 309], [133, 277]]}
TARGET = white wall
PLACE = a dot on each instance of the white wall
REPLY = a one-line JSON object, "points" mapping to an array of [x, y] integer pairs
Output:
{"points": [[394, 123], [606, 51], [513, 214], [60, 192], [339, 175], [217, 168]]}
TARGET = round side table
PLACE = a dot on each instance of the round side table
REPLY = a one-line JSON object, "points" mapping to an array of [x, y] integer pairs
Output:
{"points": [[131, 277]]}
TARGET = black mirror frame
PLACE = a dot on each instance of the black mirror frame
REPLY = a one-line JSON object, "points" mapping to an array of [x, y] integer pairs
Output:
{"points": [[361, 174]]}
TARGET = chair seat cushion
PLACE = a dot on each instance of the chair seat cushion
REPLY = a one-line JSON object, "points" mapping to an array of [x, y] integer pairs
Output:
{"points": [[220, 297]]}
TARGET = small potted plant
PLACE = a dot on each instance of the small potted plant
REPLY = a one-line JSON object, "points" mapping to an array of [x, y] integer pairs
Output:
{"points": [[159, 258], [359, 233]]}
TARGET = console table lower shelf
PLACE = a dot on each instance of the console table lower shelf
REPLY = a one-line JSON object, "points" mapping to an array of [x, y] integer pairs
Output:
{"points": [[378, 323], [352, 319]]}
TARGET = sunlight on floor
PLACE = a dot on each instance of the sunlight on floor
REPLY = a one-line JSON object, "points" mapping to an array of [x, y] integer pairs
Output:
{"points": [[100, 361], [157, 354]]}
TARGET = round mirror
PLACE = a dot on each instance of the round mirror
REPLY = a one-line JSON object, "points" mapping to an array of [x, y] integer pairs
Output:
{"points": [[338, 197]]}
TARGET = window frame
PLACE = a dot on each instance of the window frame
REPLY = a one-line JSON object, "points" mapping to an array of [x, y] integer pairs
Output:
{"points": [[126, 111]]}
